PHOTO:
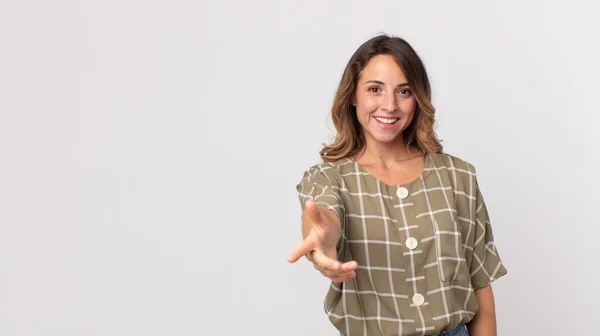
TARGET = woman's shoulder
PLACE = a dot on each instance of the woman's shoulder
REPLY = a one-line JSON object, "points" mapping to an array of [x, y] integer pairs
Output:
{"points": [[333, 170], [453, 162], [333, 166]]}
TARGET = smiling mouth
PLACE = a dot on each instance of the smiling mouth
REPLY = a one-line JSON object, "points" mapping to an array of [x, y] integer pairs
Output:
{"points": [[387, 121]]}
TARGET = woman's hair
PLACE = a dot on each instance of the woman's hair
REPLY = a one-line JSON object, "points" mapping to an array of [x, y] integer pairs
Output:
{"points": [[350, 139]]}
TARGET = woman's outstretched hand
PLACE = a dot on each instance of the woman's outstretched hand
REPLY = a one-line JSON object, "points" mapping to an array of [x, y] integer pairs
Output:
{"points": [[322, 231]]}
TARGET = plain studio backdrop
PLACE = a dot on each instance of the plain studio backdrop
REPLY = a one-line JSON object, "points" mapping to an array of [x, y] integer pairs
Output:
{"points": [[149, 153]]}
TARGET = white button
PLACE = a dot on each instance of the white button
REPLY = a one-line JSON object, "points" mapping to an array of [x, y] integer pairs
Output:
{"points": [[418, 299], [402, 192], [411, 243]]}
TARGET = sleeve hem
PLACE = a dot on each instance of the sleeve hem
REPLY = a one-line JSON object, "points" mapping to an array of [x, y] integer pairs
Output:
{"points": [[479, 285]]}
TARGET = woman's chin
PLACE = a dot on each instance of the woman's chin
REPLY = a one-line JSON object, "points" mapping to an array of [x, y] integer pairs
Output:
{"points": [[386, 139]]}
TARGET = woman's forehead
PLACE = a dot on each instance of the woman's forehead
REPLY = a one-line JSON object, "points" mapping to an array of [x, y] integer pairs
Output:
{"points": [[384, 69]]}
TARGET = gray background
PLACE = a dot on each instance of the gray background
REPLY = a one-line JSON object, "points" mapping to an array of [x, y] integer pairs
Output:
{"points": [[149, 152]]}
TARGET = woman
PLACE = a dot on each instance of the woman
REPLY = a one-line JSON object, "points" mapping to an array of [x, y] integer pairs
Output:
{"points": [[399, 227]]}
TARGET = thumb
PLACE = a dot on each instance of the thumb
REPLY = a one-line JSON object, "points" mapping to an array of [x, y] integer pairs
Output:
{"points": [[313, 211]]}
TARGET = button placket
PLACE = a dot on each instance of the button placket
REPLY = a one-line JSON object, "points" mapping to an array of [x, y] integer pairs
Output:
{"points": [[411, 244]]}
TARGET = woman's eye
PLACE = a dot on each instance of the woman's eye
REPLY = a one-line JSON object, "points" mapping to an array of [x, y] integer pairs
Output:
{"points": [[374, 89], [404, 92]]}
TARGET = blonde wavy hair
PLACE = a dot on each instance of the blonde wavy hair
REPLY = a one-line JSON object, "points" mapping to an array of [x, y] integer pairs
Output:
{"points": [[350, 139]]}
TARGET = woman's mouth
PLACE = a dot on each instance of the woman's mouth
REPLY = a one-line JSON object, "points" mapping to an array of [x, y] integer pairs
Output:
{"points": [[386, 122]]}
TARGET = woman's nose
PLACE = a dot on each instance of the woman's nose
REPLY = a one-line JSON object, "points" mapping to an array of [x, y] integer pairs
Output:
{"points": [[389, 102]]}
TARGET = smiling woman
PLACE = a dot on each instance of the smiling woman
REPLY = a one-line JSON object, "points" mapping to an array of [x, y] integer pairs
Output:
{"points": [[384, 72], [399, 227]]}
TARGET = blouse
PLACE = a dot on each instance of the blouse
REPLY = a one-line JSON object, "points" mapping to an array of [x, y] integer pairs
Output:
{"points": [[422, 248]]}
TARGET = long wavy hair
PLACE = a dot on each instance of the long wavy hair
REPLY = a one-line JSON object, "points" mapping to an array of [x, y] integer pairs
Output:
{"points": [[350, 138]]}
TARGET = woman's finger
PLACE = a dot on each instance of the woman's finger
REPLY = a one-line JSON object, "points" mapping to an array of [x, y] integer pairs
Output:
{"points": [[305, 247], [331, 274], [343, 277], [349, 266], [324, 262], [346, 268]]}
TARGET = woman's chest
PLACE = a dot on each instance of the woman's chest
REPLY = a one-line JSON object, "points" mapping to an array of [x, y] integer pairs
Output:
{"points": [[410, 227]]}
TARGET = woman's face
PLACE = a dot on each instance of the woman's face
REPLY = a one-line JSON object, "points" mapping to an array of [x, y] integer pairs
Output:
{"points": [[384, 102]]}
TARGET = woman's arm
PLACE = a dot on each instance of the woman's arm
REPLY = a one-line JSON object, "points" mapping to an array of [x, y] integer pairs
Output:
{"points": [[484, 322]]}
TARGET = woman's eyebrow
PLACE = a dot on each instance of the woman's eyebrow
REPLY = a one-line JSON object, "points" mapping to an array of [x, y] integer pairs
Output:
{"points": [[382, 83]]}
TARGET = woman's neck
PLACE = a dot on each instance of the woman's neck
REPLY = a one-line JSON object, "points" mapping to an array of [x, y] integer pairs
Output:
{"points": [[387, 154]]}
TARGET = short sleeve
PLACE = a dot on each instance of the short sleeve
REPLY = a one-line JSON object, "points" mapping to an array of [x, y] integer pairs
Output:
{"points": [[486, 266], [321, 185]]}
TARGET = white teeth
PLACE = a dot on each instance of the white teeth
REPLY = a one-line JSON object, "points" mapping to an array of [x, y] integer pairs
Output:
{"points": [[386, 120]]}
